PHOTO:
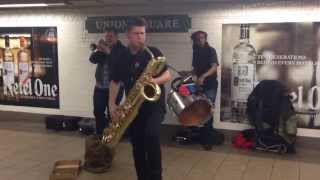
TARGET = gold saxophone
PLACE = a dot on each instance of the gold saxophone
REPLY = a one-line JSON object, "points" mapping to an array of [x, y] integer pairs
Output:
{"points": [[143, 89]]}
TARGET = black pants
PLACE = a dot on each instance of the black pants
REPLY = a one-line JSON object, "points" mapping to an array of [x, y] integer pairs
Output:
{"points": [[207, 129], [144, 134], [100, 105], [206, 133]]}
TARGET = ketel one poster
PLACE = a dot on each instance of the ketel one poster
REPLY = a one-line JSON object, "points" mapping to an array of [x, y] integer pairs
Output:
{"points": [[287, 52], [29, 66]]}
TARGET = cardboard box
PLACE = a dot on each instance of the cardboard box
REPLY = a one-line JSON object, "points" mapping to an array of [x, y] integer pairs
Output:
{"points": [[66, 170]]}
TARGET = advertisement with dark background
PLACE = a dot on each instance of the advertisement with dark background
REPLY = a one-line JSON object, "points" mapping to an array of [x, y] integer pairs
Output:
{"points": [[29, 66], [288, 52]]}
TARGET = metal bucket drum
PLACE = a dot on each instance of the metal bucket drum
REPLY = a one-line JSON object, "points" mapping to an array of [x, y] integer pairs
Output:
{"points": [[192, 110]]}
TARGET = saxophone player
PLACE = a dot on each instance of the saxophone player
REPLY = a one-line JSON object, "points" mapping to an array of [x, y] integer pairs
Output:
{"points": [[144, 130]]}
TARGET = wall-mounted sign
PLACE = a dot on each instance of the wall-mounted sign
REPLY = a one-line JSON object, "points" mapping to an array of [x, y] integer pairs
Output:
{"points": [[155, 23], [29, 66]]}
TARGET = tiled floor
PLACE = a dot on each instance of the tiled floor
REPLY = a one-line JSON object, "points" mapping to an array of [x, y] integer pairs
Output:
{"points": [[28, 152]]}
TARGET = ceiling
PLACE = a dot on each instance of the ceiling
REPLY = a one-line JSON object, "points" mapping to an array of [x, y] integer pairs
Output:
{"points": [[84, 3], [105, 2]]}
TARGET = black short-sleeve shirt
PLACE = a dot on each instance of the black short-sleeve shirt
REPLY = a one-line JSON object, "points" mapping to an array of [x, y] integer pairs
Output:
{"points": [[202, 61], [129, 67]]}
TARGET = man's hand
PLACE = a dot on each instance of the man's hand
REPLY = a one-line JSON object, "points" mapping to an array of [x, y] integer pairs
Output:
{"points": [[200, 80], [102, 46], [163, 78], [113, 108], [114, 112]]}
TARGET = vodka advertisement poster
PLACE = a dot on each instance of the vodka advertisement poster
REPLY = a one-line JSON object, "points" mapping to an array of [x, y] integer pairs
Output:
{"points": [[29, 67], [287, 52]]}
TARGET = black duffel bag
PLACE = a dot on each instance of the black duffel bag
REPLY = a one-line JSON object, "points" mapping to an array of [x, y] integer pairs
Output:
{"points": [[60, 122], [87, 126]]}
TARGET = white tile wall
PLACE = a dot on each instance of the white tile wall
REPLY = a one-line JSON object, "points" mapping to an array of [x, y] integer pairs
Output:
{"points": [[76, 74]]}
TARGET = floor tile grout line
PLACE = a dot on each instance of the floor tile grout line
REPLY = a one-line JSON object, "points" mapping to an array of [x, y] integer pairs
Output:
{"points": [[299, 170], [220, 165], [194, 166], [186, 174], [175, 160], [246, 167], [272, 168]]}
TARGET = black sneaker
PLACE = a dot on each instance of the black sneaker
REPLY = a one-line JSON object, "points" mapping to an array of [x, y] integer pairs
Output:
{"points": [[207, 147]]}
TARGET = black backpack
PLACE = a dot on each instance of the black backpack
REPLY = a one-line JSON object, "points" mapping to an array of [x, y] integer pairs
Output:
{"points": [[267, 103]]}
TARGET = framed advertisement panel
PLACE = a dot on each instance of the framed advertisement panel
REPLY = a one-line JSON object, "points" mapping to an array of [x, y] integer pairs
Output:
{"points": [[287, 52], [29, 66]]}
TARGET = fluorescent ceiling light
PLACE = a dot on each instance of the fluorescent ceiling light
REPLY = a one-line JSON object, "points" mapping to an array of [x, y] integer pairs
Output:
{"points": [[30, 5]]}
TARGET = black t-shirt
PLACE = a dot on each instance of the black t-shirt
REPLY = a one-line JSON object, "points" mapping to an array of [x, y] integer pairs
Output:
{"points": [[202, 61], [128, 69]]}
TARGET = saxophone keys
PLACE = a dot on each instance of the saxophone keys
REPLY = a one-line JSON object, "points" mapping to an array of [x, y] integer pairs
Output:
{"points": [[117, 125]]}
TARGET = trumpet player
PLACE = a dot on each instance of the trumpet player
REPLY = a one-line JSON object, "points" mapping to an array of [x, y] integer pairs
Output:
{"points": [[103, 55]]}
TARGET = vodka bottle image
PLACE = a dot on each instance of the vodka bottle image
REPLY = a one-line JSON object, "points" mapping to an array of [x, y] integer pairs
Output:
{"points": [[243, 74], [8, 67], [37, 69], [1, 73], [1, 67], [23, 62]]}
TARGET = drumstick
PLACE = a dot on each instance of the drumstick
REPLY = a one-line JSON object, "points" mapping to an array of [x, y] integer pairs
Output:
{"points": [[180, 73], [174, 69]]}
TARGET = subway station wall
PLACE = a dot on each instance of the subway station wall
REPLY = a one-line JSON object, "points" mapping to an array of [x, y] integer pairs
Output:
{"points": [[76, 74]]}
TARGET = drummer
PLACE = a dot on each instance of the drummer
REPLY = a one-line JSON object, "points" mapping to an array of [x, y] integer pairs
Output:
{"points": [[205, 65]]}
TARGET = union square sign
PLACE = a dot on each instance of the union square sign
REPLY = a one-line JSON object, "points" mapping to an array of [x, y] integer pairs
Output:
{"points": [[155, 23]]}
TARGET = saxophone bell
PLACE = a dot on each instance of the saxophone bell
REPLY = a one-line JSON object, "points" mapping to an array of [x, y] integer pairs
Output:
{"points": [[150, 91]]}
